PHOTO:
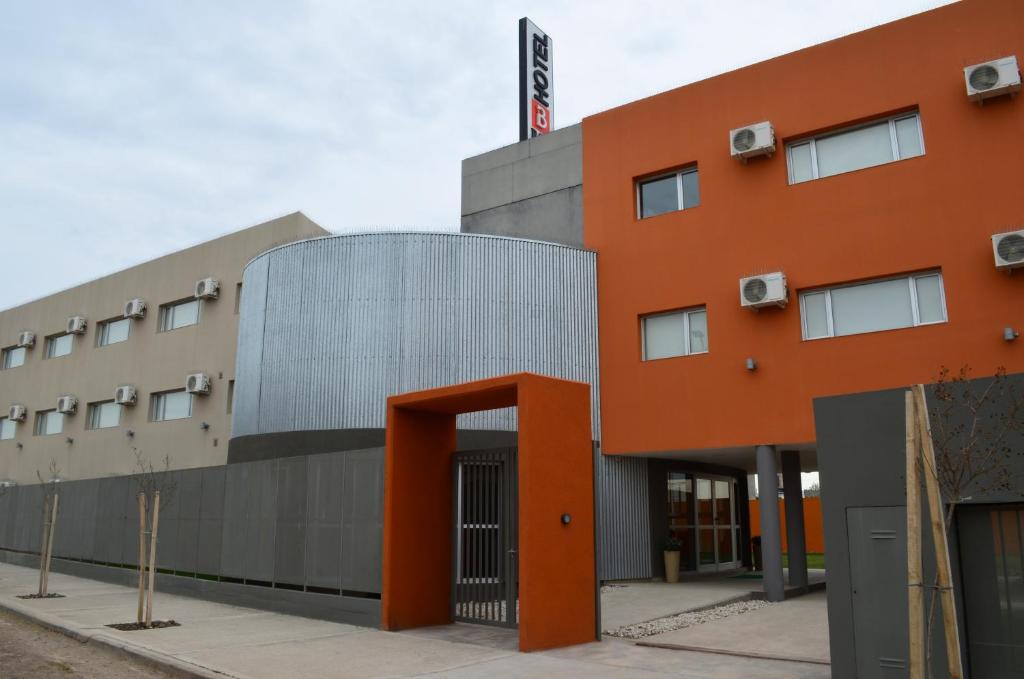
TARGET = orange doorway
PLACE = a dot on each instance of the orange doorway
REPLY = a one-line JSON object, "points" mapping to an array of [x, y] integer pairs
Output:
{"points": [[556, 557]]}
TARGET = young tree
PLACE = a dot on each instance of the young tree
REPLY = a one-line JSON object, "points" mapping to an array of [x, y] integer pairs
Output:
{"points": [[50, 502], [155, 488], [974, 425]]}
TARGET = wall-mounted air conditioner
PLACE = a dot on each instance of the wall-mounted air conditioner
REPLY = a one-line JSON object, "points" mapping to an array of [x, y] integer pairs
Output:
{"points": [[198, 383], [17, 413], [1008, 249], [126, 395], [992, 79], [27, 339], [135, 308], [67, 405], [753, 140], [76, 325], [207, 288], [765, 290]]}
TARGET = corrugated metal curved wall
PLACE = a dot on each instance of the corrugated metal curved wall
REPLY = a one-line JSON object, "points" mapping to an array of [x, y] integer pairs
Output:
{"points": [[329, 327]]}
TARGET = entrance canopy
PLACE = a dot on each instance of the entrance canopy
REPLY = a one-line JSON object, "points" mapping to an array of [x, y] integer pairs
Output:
{"points": [[557, 580]]}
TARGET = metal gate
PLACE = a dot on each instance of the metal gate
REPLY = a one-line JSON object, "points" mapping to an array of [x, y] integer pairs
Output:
{"points": [[485, 570]]}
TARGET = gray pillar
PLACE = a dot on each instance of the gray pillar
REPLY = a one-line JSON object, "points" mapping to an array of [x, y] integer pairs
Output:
{"points": [[795, 541], [771, 535]]}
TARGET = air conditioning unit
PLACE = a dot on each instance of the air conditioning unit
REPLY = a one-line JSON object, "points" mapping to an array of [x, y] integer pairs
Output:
{"points": [[76, 325], [752, 140], [126, 395], [67, 405], [27, 339], [197, 383], [135, 308], [1008, 249], [764, 290], [992, 79], [17, 413], [207, 288]]}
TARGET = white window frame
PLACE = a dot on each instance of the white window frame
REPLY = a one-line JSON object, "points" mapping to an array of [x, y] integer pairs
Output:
{"points": [[811, 142], [915, 311], [678, 174], [686, 333], [92, 415], [42, 415], [13, 425], [167, 309], [7, 353], [50, 342], [157, 402], [103, 331]]}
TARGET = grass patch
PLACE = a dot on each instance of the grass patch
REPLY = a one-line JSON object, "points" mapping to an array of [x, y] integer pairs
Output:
{"points": [[813, 561]]}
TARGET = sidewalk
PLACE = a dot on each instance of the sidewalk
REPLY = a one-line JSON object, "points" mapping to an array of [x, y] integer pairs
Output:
{"points": [[218, 640]]}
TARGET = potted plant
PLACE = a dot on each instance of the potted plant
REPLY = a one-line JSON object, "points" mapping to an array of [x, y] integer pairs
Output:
{"points": [[672, 547]]}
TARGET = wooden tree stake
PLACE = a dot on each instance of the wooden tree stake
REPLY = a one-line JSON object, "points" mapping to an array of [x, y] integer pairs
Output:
{"points": [[142, 555], [49, 542], [152, 556], [43, 542], [936, 514], [915, 591]]}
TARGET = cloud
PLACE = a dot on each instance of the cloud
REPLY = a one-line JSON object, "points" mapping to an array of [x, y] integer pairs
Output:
{"points": [[128, 130]]}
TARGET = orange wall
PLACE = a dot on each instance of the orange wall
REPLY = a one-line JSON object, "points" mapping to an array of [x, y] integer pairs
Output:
{"points": [[813, 533], [937, 210]]}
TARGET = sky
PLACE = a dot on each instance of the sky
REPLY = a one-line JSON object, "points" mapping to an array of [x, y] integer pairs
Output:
{"points": [[132, 129]]}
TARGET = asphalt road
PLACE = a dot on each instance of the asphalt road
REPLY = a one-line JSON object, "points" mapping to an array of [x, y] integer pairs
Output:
{"points": [[28, 651]]}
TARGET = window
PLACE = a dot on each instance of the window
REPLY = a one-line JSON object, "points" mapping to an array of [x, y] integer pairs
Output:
{"points": [[103, 415], [8, 427], [170, 405], [877, 143], [49, 422], [113, 331], [668, 193], [238, 297], [676, 333], [231, 395], [14, 357], [59, 345], [887, 304], [179, 314]]}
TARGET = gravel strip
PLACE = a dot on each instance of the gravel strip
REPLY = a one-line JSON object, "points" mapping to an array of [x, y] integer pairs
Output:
{"points": [[674, 622]]}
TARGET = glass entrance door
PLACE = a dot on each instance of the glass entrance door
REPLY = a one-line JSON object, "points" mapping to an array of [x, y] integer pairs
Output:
{"points": [[717, 524]]}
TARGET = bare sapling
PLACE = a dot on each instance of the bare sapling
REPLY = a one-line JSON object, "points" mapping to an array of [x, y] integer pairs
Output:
{"points": [[154, 486]]}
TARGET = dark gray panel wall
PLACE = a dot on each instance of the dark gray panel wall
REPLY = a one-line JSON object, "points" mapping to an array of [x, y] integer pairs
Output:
{"points": [[305, 522], [862, 462]]}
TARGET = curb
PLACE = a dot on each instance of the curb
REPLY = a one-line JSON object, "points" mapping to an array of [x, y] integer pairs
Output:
{"points": [[152, 659]]}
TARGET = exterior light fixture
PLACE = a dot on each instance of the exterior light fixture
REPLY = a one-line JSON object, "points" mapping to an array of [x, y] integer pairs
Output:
{"points": [[751, 364], [204, 425], [566, 518], [69, 440], [20, 445], [1010, 334], [129, 433]]}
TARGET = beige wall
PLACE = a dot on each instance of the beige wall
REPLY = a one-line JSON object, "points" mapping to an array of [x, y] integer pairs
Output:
{"points": [[151, 361]]}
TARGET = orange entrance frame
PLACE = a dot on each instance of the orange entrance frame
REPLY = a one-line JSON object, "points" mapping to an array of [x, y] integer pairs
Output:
{"points": [[557, 582]]}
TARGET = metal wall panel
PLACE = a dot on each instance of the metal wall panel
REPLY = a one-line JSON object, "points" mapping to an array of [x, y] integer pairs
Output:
{"points": [[261, 521], [237, 478], [624, 525], [290, 540], [330, 327], [323, 520], [211, 521], [362, 520], [109, 528], [187, 499], [167, 553]]}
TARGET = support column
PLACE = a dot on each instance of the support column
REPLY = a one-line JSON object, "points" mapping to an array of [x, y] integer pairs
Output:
{"points": [[771, 535], [795, 541]]}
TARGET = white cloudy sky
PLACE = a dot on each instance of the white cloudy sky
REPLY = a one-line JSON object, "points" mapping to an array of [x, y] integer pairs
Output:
{"points": [[130, 129]]}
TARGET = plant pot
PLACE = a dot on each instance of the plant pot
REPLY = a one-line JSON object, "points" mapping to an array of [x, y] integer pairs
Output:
{"points": [[672, 566]]}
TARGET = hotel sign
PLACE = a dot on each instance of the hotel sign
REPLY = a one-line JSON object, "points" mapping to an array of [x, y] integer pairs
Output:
{"points": [[536, 81]]}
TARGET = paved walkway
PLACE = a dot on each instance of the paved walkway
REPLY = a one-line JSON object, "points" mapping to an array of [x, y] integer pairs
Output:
{"points": [[803, 623], [218, 640]]}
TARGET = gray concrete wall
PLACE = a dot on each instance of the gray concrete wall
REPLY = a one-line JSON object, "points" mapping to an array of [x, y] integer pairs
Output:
{"points": [[532, 189], [862, 462], [308, 524], [150, 360]]}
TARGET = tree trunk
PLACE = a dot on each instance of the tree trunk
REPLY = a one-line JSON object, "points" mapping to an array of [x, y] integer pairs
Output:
{"points": [[49, 542], [142, 555], [43, 542], [152, 556]]}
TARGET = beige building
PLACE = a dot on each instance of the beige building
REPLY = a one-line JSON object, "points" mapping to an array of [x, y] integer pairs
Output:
{"points": [[179, 335]]}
